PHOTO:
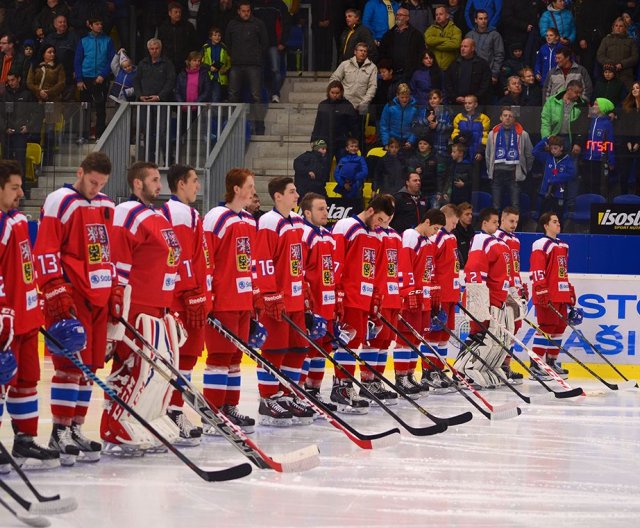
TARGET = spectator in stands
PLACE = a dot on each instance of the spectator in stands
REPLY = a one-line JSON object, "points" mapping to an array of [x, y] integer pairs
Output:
{"points": [[404, 45], [17, 124], [390, 170], [43, 23], [10, 59], [628, 132], [559, 174], [424, 163], [397, 118], [633, 28], [311, 169], [178, 36], [509, 158], [358, 76], [154, 83], [455, 8], [20, 17], [619, 50], [83, 10], [427, 77], [488, 44], [350, 174], [420, 16], [277, 20], [514, 93], [520, 20], [561, 112], [598, 152], [471, 128], [492, 7], [66, 43], [247, 40], [593, 23], [546, 58], [124, 72], [254, 207], [336, 121], [609, 86], [120, 16], [192, 83], [443, 38], [379, 17], [27, 50], [458, 181], [531, 91], [512, 64], [47, 80], [387, 84], [354, 33], [411, 207], [464, 231], [216, 57], [559, 17], [217, 14], [150, 14], [92, 67], [469, 74], [323, 32], [567, 70]]}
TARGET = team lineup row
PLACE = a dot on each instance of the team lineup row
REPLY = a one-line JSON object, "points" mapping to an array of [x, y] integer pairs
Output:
{"points": [[106, 280]]}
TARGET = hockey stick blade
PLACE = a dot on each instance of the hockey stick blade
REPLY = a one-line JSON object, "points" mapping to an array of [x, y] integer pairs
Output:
{"points": [[300, 460], [37, 522], [25, 479], [626, 385], [41, 508], [459, 419], [505, 414], [573, 393], [220, 475]]}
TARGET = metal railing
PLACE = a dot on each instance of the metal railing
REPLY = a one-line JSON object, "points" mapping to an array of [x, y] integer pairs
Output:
{"points": [[115, 144]]}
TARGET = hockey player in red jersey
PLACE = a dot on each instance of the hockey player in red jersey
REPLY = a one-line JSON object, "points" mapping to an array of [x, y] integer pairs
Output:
{"points": [[281, 283], [231, 238], [357, 247], [417, 266], [191, 299], [488, 277], [550, 284], [147, 258], [518, 291], [444, 295], [318, 249], [73, 254], [20, 318]]}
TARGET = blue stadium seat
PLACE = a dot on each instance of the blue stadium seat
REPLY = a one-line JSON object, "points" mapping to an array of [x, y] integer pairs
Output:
{"points": [[582, 213], [480, 200], [631, 199]]}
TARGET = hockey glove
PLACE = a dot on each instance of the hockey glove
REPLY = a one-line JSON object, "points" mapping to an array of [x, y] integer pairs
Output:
{"points": [[257, 334], [308, 297], [575, 316], [339, 303], [7, 316], [58, 303], [572, 294], [413, 301], [258, 304], [540, 294], [316, 325], [8, 366], [194, 310], [376, 302], [116, 302], [436, 302], [70, 334], [274, 305], [438, 320]]}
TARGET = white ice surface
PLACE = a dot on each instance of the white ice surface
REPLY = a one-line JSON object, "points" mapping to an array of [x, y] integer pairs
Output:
{"points": [[560, 464]]}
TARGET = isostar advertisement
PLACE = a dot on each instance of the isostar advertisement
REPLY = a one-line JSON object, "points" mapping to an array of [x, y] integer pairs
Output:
{"points": [[615, 219]]}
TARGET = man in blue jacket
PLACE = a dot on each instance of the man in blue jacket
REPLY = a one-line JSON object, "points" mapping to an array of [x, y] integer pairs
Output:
{"points": [[92, 66]]}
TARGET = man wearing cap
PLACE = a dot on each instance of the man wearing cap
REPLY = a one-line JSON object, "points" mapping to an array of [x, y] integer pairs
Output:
{"points": [[311, 169]]}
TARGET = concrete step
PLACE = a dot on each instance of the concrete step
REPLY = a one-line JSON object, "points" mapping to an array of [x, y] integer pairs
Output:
{"points": [[277, 150], [271, 163], [272, 173], [293, 116], [319, 86], [289, 129], [304, 97], [280, 138]]}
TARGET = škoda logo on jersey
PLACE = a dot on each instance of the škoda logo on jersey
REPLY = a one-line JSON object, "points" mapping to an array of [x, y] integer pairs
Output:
{"points": [[174, 247], [562, 267], [98, 244], [295, 260], [27, 262], [243, 254], [392, 262], [327, 270], [368, 262]]}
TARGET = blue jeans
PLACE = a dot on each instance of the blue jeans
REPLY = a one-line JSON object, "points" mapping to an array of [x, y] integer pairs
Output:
{"points": [[500, 181]]}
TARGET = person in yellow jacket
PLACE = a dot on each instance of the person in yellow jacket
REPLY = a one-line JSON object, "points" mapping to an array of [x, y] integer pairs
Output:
{"points": [[216, 58]]}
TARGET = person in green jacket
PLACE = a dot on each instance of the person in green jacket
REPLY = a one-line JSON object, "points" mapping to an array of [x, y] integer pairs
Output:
{"points": [[443, 38], [216, 58]]}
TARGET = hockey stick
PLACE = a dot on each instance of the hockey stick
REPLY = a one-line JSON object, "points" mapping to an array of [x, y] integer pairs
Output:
{"points": [[500, 414], [300, 460], [454, 420], [416, 431], [570, 393], [40, 508], [364, 441], [628, 383], [29, 521], [461, 377], [231, 473]]}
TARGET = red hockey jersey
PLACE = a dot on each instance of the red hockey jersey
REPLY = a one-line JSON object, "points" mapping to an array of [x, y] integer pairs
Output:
{"points": [[18, 290], [280, 264], [417, 264], [147, 254], [549, 265], [194, 272], [231, 238], [75, 242], [514, 246], [447, 265], [490, 262], [319, 247], [387, 279], [356, 256]]}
